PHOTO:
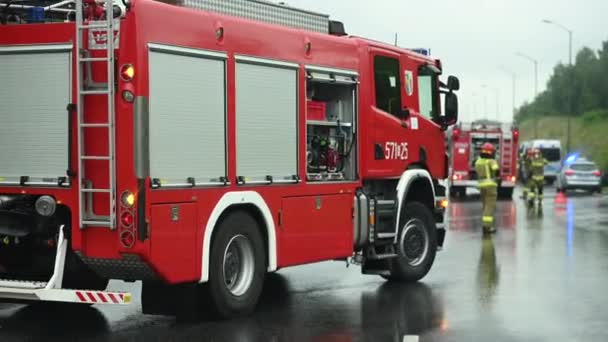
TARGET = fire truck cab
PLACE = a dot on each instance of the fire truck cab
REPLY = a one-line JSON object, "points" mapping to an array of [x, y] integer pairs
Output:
{"points": [[465, 145], [197, 146]]}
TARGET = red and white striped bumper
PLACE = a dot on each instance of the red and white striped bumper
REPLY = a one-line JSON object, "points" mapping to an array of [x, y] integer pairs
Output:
{"points": [[31, 291], [97, 297]]}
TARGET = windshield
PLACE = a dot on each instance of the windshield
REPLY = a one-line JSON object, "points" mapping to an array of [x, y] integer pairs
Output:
{"points": [[425, 95], [551, 154]]}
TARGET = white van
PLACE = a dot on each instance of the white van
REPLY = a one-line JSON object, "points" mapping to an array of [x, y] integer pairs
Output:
{"points": [[552, 152]]}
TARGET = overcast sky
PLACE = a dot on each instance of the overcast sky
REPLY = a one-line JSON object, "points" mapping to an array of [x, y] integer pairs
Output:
{"points": [[474, 38]]}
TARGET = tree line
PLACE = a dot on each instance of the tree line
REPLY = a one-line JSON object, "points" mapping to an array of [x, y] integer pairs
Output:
{"points": [[580, 89]]}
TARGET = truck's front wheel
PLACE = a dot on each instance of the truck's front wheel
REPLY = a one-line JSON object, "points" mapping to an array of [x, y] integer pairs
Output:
{"points": [[237, 266], [416, 244]]}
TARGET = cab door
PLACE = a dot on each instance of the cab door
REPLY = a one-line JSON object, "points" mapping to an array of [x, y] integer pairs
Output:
{"points": [[422, 99], [391, 131]]}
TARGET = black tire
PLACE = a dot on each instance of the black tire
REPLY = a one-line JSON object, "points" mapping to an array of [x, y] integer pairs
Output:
{"points": [[237, 228], [404, 268]]}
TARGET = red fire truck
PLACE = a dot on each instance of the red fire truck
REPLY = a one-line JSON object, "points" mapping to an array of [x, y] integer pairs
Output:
{"points": [[465, 144], [196, 146]]}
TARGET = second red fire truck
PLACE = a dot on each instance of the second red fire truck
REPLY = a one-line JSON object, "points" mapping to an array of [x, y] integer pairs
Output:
{"points": [[465, 144], [198, 146]]}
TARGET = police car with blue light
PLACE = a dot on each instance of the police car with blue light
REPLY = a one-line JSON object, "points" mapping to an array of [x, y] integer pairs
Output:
{"points": [[579, 173]]}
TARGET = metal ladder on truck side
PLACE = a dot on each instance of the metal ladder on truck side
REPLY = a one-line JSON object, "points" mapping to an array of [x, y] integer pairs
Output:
{"points": [[84, 91], [507, 155]]}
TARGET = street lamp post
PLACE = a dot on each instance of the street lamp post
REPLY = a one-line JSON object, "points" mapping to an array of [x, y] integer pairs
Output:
{"points": [[535, 62], [570, 106], [513, 78]]}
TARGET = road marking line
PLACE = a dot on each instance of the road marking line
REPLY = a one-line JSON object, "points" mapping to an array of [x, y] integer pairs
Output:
{"points": [[411, 338]]}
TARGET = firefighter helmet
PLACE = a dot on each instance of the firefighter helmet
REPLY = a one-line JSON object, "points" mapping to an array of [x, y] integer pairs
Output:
{"points": [[531, 152], [487, 148]]}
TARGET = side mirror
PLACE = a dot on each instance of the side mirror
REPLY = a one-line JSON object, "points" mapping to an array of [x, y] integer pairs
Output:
{"points": [[453, 83], [451, 108]]}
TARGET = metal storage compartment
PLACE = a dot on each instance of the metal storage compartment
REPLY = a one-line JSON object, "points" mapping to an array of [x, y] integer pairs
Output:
{"points": [[266, 121], [34, 97], [187, 116]]}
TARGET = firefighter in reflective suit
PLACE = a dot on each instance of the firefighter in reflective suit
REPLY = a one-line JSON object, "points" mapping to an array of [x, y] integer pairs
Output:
{"points": [[487, 173], [537, 177], [528, 176]]}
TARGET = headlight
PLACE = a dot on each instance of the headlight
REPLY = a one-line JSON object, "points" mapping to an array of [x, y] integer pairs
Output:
{"points": [[46, 206]]}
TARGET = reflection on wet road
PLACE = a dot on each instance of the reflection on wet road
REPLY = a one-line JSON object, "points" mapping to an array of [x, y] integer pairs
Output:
{"points": [[542, 277]]}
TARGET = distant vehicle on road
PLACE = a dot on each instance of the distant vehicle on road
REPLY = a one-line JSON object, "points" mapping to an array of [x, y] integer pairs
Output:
{"points": [[581, 174], [550, 149]]}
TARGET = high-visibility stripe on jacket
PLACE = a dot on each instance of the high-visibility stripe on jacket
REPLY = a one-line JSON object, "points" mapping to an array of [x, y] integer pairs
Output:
{"points": [[486, 169], [537, 166]]}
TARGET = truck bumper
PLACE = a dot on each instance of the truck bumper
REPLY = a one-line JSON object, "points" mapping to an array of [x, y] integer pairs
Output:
{"points": [[507, 184], [52, 291], [39, 291], [464, 183]]}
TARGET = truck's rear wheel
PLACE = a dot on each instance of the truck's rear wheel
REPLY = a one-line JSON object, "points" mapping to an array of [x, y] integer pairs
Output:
{"points": [[416, 246], [237, 266]]}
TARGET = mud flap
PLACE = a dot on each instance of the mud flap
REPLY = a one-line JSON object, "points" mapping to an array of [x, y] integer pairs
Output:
{"points": [[440, 237]]}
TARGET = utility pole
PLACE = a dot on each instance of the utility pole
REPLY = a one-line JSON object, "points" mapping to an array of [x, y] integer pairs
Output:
{"points": [[535, 62], [513, 79], [570, 106]]}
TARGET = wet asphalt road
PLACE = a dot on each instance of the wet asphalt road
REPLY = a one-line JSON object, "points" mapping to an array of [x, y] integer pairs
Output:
{"points": [[540, 278]]}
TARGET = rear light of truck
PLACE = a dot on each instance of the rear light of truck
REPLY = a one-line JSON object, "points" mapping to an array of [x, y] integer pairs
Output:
{"points": [[597, 173], [569, 173], [456, 133], [128, 199], [127, 219], [128, 96], [127, 72], [457, 177]]}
